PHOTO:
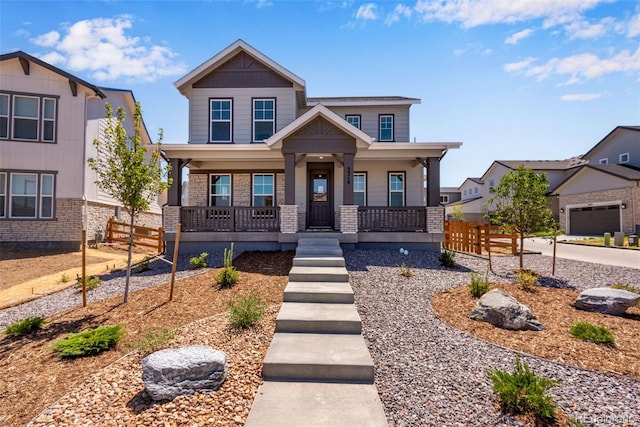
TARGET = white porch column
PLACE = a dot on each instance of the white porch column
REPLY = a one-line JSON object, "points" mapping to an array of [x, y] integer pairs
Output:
{"points": [[435, 220], [349, 218], [288, 218], [170, 218]]}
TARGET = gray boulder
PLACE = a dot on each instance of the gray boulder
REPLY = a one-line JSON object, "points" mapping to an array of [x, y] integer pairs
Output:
{"points": [[606, 300], [174, 372], [502, 310]]}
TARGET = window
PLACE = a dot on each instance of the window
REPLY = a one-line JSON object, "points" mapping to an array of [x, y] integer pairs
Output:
{"points": [[46, 196], [220, 120], [354, 120], [3, 194], [25, 117], [492, 183], [465, 192], [444, 198], [264, 123], [23, 195], [603, 161], [220, 194], [48, 119], [396, 189], [28, 117], [624, 158], [386, 128], [475, 190], [27, 195], [360, 188], [263, 190], [4, 116]]}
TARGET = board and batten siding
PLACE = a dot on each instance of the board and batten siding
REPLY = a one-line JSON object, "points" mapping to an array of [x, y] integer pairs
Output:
{"points": [[622, 141], [369, 119], [242, 111]]}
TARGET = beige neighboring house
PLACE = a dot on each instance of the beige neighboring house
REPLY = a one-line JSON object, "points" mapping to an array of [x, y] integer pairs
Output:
{"points": [[48, 121], [268, 164]]}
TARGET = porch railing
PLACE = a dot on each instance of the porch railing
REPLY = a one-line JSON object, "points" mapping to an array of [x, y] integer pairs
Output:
{"points": [[230, 218], [396, 218]]}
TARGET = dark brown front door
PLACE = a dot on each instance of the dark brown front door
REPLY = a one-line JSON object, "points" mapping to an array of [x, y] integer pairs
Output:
{"points": [[320, 193]]}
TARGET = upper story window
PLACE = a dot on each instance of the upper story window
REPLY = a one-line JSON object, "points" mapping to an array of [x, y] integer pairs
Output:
{"points": [[360, 188], [30, 195], [28, 117], [603, 161], [386, 127], [492, 183], [624, 158], [264, 122], [353, 119], [263, 190], [221, 120], [475, 190], [444, 198], [396, 189], [220, 190]]}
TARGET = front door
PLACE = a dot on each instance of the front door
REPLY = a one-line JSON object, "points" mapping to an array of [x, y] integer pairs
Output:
{"points": [[320, 192]]}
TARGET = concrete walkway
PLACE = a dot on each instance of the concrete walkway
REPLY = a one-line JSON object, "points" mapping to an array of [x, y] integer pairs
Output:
{"points": [[318, 370]]}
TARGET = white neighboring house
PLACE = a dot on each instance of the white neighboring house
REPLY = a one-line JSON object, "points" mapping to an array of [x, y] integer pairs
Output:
{"points": [[48, 121]]}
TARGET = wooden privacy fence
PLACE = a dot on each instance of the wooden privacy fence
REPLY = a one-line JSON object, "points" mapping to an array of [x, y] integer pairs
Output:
{"points": [[476, 237], [142, 236]]}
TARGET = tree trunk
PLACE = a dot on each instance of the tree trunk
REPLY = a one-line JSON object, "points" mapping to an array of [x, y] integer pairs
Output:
{"points": [[126, 284]]}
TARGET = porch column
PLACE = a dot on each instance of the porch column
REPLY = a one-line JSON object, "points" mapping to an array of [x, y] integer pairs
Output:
{"points": [[174, 196], [347, 192], [433, 181], [348, 218], [288, 218], [289, 179]]}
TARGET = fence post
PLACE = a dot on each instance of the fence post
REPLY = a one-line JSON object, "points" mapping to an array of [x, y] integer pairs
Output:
{"points": [[160, 240], [110, 230]]}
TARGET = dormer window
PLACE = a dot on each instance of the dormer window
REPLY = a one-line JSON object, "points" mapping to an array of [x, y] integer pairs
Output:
{"points": [[221, 122], [264, 122], [386, 127], [353, 119], [624, 158], [603, 161]]}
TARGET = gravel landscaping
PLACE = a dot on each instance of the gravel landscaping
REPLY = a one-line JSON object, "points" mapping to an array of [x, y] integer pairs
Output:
{"points": [[429, 373]]}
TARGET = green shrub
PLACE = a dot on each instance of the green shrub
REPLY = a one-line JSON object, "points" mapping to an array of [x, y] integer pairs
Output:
{"points": [[589, 332], [92, 341], [626, 287], [65, 278], [523, 391], [228, 276], [405, 270], [446, 259], [199, 261], [92, 282], [143, 266], [478, 286], [24, 326], [526, 280], [153, 340], [246, 312]]}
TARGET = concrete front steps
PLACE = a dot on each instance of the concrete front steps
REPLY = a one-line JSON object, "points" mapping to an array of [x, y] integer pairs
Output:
{"points": [[318, 370]]}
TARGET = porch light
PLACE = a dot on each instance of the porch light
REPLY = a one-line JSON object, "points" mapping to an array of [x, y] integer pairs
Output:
{"points": [[321, 157], [561, 210], [623, 206]]}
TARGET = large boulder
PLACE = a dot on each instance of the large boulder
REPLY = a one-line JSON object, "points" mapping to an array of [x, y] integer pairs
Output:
{"points": [[502, 310], [174, 372], [606, 300]]}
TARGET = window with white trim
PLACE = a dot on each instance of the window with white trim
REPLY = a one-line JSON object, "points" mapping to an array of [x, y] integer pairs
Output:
{"points": [[444, 198], [3, 194], [603, 161], [386, 128], [264, 119], [220, 190], [46, 196], [360, 188], [4, 116], [353, 119], [623, 158], [263, 190], [221, 120], [396, 189]]}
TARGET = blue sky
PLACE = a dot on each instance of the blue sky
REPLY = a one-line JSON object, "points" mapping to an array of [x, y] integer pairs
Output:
{"points": [[511, 79]]}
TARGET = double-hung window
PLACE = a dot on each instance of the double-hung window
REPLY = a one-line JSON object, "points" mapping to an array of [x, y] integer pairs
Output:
{"points": [[396, 189], [28, 117], [48, 119], [386, 127], [264, 119], [46, 196], [220, 190], [4, 116], [263, 190], [27, 195], [360, 188], [221, 120], [3, 194], [353, 119]]}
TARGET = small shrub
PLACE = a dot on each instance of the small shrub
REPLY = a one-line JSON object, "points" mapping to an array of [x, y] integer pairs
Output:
{"points": [[478, 286], [626, 287], [199, 261], [446, 259], [153, 340], [405, 270], [143, 266], [65, 278], [92, 282], [526, 280], [246, 312], [89, 342], [523, 391], [228, 276], [590, 332], [24, 326]]}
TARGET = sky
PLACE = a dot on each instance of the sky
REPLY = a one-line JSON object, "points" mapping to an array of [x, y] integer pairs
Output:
{"points": [[510, 79]]}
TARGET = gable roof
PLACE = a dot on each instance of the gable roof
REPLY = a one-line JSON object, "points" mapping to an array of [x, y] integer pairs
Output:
{"points": [[603, 140], [626, 172], [319, 111], [543, 164], [226, 54], [25, 59]]}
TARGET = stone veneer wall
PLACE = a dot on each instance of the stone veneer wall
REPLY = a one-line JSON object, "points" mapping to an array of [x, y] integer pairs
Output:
{"points": [[241, 190], [198, 190], [630, 196], [435, 220], [349, 218]]}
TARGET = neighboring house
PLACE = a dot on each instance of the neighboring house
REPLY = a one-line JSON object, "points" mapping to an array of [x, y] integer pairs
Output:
{"points": [[449, 195], [267, 163], [48, 121]]}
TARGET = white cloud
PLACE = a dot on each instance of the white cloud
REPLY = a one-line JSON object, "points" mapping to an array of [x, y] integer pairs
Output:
{"points": [[520, 65], [367, 12], [581, 96], [581, 29], [516, 37], [399, 11], [634, 26], [20, 33], [101, 47]]}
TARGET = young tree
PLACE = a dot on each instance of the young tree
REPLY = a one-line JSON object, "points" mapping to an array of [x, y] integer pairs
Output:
{"points": [[520, 203], [127, 171]]}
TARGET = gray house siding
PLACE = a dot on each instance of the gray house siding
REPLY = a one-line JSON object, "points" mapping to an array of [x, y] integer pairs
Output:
{"points": [[369, 119], [621, 141]]}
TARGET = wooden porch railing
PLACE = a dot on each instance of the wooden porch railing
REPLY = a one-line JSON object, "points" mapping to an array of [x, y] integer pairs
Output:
{"points": [[396, 218], [142, 236], [229, 218], [476, 237]]}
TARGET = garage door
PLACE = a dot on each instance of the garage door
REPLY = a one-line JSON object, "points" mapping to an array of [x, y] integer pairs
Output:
{"points": [[594, 220]]}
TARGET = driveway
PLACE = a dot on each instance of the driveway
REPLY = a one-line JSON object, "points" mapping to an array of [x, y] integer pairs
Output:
{"points": [[600, 255]]}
